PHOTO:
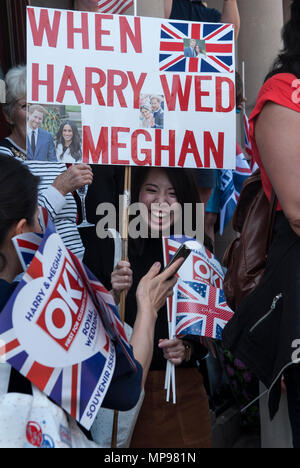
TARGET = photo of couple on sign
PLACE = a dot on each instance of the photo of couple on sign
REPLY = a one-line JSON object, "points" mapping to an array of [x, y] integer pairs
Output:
{"points": [[151, 111], [194, 48], [54, 133]]}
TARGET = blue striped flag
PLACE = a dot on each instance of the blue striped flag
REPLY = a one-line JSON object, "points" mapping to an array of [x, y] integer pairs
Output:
{"points": [[231, 183]]}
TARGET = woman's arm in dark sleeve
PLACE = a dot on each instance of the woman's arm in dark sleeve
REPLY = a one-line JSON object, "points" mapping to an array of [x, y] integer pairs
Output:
{"points": [[125, 387]]}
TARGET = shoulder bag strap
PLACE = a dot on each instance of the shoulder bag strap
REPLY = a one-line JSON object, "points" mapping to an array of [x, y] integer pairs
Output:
{"points": [[271, 217]]}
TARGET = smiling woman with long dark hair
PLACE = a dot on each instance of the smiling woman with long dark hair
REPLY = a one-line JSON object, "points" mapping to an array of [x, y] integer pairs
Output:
{"points": [[161, 424]]}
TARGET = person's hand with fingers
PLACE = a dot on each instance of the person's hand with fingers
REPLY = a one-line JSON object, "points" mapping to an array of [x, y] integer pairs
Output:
{"points": [[151, 295], [74, 177], [154, 288], [173, 350], [121, 280]]}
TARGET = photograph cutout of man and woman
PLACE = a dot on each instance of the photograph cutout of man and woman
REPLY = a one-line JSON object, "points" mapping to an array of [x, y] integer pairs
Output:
{"points": [[194, 48], [152, 111], [54, 133]]}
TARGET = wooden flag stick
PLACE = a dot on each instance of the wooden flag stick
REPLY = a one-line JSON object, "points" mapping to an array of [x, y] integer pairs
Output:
{"points": [[124, 231], [124, 235]]}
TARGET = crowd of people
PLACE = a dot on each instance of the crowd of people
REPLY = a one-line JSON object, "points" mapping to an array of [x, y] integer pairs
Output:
{"points": [[37, 169]]}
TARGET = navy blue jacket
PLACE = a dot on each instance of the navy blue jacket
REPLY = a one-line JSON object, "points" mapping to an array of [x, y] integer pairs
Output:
{"points": [[45, 149], [194, 11]]}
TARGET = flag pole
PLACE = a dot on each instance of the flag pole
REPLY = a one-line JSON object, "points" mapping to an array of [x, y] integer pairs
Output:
{"points": [[173, 331], [244, 86], [125, 225], [124, 231], [124, 236]]}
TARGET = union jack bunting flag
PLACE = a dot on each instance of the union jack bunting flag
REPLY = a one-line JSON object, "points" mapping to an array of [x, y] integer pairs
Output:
{"points": [[248, 145], [242, 171], [215, 47], [201, 310], [228, 198], [231, 183], [117, 7]]}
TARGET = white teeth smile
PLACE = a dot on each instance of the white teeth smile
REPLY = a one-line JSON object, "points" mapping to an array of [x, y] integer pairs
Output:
{"points": [[159, 214]]}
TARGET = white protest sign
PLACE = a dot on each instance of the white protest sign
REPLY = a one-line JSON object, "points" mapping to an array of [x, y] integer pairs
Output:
{"points": [[149, 91]]}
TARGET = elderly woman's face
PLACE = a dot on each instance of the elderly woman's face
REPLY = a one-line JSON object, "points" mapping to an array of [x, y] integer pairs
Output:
{"points": [[19, 115]]}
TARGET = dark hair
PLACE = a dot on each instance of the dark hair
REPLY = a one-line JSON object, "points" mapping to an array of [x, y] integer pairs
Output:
{"points": [[75, 146], [18, 196], [182, 180], [185, 186], [288, 61]]}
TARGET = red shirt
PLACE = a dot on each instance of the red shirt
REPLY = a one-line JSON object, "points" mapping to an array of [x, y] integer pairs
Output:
{"points": [[282, 89]]}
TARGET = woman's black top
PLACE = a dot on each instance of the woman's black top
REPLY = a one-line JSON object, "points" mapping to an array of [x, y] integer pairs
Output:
{"points": [[194, 11]]}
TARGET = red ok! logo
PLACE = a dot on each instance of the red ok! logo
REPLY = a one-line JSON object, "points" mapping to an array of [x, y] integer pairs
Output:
{"points": [[62, 315]]}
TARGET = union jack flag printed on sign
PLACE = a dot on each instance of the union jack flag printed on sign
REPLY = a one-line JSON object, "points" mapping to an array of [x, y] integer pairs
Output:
{"points": [[215, 52], [201, 310]]}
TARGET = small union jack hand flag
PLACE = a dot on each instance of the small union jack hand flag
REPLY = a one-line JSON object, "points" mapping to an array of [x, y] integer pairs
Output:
{"points": [[201, 310]]}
